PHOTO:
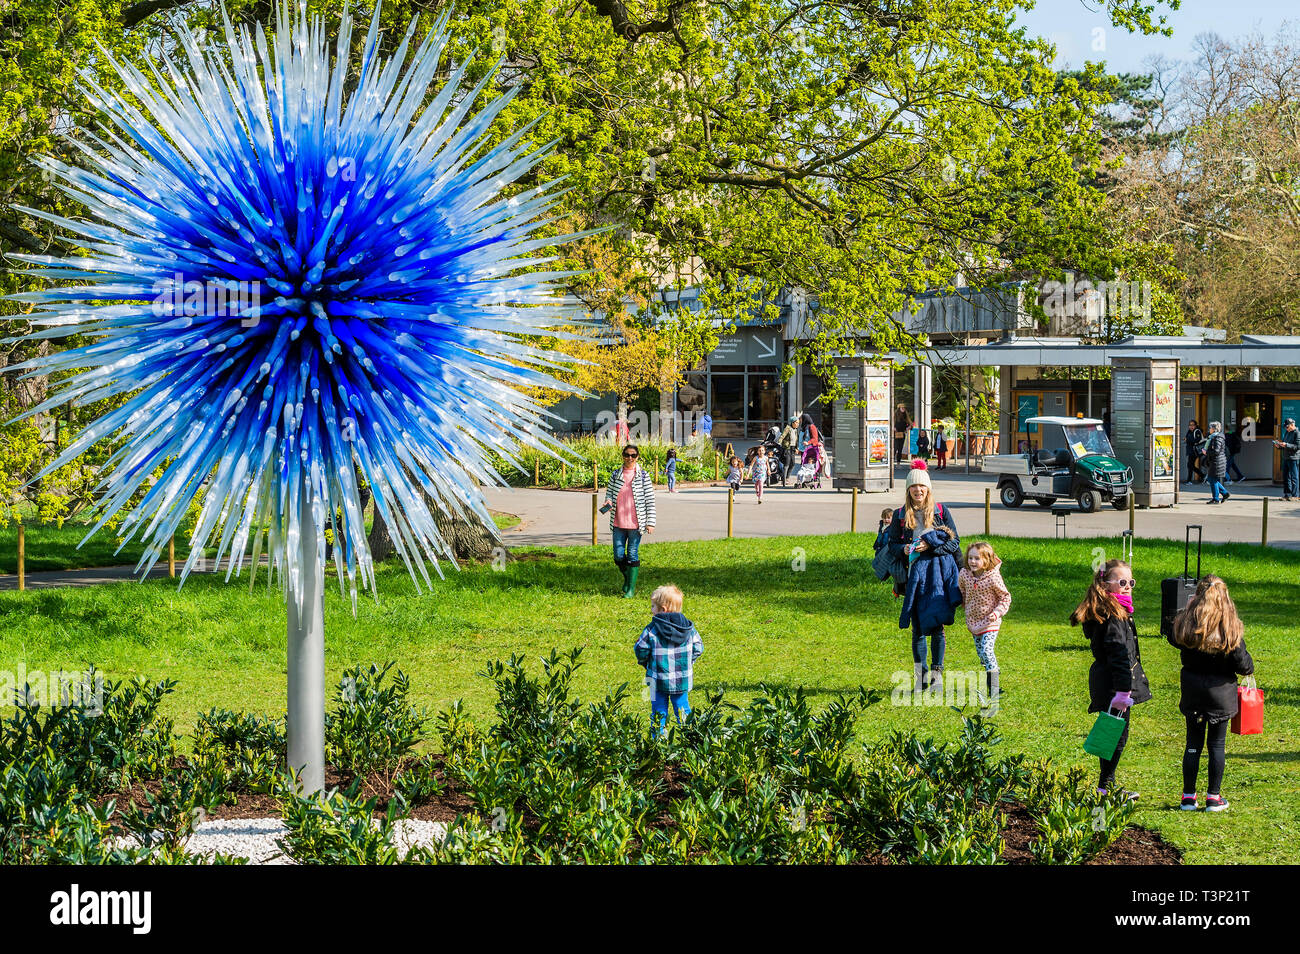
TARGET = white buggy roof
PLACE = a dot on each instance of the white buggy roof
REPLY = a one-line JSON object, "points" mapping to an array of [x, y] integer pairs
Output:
{"points": [[1062, 420]]}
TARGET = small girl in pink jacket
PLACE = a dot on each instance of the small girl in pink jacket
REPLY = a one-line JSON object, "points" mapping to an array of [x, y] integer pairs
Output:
{"points": [[986, 600]]}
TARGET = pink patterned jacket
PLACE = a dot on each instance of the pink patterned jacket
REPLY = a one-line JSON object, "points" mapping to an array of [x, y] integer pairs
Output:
{"points": [[985, 598]]}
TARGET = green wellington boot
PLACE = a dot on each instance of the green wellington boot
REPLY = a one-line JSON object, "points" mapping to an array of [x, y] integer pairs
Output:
{"points": [[622, 568], [631, 582]]}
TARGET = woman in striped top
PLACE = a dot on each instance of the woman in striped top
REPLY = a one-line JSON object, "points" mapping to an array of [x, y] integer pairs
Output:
{"points": [[630, 502]]}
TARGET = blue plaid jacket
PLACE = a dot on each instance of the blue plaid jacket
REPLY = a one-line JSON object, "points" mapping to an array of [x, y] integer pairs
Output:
{"points": [[668, 648]]}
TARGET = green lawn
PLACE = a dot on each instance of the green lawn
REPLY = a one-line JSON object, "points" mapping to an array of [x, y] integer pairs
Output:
{"points": [[828, 627], [56, 548]]}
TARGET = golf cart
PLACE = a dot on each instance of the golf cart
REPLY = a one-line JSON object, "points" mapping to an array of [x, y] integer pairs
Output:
{"points": [[1074, 459]]}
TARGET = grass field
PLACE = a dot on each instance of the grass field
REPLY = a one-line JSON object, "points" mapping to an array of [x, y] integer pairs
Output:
{"points": [[828, 626]]}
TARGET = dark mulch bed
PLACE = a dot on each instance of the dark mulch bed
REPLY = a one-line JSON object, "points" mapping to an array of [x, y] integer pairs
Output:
{"points": [[1137, 846]]}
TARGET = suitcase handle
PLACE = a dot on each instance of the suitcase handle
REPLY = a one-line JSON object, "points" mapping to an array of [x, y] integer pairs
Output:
{"points": [[1187, 551]]}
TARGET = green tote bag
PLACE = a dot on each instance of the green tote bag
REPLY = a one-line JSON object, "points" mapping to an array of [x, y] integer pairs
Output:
{"points": [[1104, 736]]}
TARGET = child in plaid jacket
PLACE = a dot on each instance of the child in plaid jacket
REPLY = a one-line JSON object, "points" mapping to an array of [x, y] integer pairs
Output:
{"points": [[668, 648]]}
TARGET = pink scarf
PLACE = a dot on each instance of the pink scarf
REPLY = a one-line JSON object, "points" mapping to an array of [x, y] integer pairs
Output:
{"points": [[1125, 600]]}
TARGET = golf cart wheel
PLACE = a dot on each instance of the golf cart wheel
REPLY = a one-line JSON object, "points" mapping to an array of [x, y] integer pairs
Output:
{"points": [[1044, 501], [1089, 501], [1119, 503], [1011, 495]]}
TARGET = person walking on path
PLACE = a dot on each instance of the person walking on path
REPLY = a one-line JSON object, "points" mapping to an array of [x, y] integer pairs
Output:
{"points": [[759, 471], [941, 449], [1233, 439], [670, 470], [1116, 679], [902, 424], [1209, 635], [789, 442], [1192, 441], [986, 599], [630, 501], [1290, 444], [922, 535], [668, 648], [1216, 462]]}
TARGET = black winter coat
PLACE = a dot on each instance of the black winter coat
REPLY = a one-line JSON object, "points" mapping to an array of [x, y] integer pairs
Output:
{"points": [[1116, 663], [1209, 681], [900, 536], [1216, 456]]}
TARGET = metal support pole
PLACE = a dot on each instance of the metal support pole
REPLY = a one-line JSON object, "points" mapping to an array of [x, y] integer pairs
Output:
{"points": [[988, 511], [967, 376], [22, 557], [731, 506], [853, 513], [171, 557], [1263, 534], [306, 643], [1132, 506], [595, 509]]}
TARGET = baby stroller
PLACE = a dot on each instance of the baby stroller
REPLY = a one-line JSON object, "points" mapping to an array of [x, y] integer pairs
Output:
{"points": [[809, 473]]}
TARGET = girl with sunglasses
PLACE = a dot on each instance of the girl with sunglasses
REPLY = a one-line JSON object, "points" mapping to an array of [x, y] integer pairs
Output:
{"points": [[1116, 679]]}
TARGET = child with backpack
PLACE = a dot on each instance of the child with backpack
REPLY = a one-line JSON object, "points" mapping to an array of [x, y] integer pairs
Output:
{"points": [[986, 600], [1209, 635], [668, 648], [1116, 679]]}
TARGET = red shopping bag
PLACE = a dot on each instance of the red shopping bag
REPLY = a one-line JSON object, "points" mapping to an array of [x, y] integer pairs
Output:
{"points": [[1249, 719]]}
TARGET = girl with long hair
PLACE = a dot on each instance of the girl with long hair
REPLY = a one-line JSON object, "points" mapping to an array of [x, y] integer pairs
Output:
{"points": [[1116, 679], [923, 536], [1209, 635]]}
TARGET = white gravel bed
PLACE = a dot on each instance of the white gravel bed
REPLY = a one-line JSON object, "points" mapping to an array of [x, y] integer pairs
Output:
{"points": [[257, 838]]}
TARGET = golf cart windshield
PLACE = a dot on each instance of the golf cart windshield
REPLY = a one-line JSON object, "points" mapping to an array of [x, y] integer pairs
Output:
{"points": [[1085, 439]]}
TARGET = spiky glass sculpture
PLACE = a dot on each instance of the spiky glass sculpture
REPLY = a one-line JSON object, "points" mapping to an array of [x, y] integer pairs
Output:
{"points": [[299, 275]]}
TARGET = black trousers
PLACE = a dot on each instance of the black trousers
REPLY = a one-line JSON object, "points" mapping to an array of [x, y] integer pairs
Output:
{"points": [[1194, 468], [1199, 732], [1107, 779], [898, 449]]}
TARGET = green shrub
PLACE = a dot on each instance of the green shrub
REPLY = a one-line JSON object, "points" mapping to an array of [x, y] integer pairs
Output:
{"points": [[249, 747], [338, 828], [373, 725]]}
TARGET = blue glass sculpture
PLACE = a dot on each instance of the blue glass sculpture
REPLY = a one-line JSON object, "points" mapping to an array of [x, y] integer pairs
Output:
{"points": [[299, 276]]}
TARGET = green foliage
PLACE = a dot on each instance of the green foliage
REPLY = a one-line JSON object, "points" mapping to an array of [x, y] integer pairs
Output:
{"points": [[336, 828], [1075, 831], [250, 748], [373, 725], [693, 464]]}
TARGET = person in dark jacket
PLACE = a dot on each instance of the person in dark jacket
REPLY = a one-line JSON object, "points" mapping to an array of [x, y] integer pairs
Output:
{"points": [[668, 648], [1116, 679], [923, 444], [1192, 440], [1233, 439], [902, 424], [1209, 635], [923, 536], [1216, 462], [1290, 447]]}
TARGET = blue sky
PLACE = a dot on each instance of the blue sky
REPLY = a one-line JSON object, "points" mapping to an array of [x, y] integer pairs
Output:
{"points": [[1072, 26]]}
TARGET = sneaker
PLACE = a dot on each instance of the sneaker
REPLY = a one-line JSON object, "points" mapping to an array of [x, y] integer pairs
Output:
{"points": [[1226, 496], [1188, 803], [1213, 803]]}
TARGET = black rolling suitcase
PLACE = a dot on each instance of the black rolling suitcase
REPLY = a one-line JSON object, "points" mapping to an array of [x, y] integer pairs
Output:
{"points": [[1176, 591]]}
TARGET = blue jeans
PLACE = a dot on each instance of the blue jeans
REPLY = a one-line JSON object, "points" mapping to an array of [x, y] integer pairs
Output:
{"points": [[659, 708], [672, 480], [1216, 488], [1291, 478], [1234, 469], [918, 644], [626, 543]]}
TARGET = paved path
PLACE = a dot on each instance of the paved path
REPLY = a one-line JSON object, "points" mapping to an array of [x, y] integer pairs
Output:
{"points": [[45, 579], [699, 512]]}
